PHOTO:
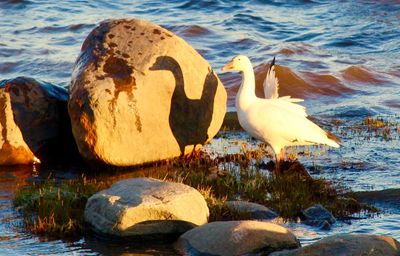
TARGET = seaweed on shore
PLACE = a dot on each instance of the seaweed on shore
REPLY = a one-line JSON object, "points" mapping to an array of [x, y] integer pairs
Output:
{"points": [[56, 208]]}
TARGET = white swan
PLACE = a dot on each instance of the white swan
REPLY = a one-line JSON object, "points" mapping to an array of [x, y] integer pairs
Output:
{"points": [[277, 121]]}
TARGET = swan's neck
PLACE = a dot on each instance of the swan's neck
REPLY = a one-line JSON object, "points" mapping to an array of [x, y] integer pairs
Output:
{"points": [[247, 94]]}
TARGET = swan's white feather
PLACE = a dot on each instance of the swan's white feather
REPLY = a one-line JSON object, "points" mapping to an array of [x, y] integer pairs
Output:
{"points": [[271, 83], [288, 105]]}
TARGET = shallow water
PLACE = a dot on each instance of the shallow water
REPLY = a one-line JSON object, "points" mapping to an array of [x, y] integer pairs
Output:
{"points": [[343, 167], [342, 56]]}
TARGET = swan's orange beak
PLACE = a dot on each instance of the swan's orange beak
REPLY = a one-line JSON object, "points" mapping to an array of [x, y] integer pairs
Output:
{"points": [[228, 66]]}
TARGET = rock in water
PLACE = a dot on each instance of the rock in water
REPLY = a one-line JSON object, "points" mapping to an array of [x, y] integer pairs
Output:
{"points": [[348, 245], [236, 238], [317, 215], [34, 122], [140, 94], [146, 207], [253, 210]]}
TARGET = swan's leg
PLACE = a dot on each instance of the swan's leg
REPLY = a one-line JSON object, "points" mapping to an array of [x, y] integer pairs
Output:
{"points": [[192, 154], [277, 163], [279, 157], [282, 154]]}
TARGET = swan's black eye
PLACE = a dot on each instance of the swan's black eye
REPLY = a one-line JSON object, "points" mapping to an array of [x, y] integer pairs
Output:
{"points": [[239, 59]]}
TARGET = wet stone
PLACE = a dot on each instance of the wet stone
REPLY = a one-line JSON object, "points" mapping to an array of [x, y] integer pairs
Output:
{"points": [[253, 210], [34, 123], [236, 238], [348, 245], [319, 216]]}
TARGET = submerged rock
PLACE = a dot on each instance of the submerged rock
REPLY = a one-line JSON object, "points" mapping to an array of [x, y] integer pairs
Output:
{"points": [[140, 94], [319, 216], [146, 207], [387, 197], [34, 122], [236, 238], [348, 245], [255, 211]]}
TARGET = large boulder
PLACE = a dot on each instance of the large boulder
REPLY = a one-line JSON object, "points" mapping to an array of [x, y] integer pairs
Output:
{"points": [[140, 94], [34, 122], [146, 207], [236, 238], [348, 245]]}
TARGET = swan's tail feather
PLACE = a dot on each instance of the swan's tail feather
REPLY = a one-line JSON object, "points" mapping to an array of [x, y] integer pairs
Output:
{"points": [[271, 83], [317, 135], [332, 141], [272, 64], [325, 137]]}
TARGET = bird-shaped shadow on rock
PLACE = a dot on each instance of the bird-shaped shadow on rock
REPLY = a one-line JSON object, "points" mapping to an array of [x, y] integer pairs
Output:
{"points": [[189, 119]]}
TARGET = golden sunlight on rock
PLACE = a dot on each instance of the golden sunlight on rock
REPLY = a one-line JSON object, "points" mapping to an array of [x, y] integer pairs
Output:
{"points": [[141, 94], [236, 238]]}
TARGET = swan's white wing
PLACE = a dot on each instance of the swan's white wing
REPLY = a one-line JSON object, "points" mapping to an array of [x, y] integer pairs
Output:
{"points": [[301, 131], [285, 124], [271, 83], [288, 104]]}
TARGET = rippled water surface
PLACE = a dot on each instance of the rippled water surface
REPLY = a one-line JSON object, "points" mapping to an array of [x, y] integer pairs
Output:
{"points": [[343, 57]]}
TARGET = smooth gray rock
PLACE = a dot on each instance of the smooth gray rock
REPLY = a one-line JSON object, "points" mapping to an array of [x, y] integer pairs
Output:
{"points": [[255, 211], [317, 215], [146, 207], [236, 238], [348, 245]]}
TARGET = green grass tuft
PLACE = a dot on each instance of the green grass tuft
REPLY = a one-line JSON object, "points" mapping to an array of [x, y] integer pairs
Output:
{"points": [[56, 208]]}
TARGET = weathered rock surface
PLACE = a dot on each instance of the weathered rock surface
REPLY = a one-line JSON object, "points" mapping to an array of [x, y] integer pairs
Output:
{"points": [[317, 215], [34, 122], [255, 211], [146, 207], [236, 238], [348, 245], [140, 94]]}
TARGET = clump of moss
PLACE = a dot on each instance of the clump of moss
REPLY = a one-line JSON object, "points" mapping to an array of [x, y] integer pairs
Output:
{"points": [[288, 194], [219, 211], [381, 128], [291, 194], [374, 122], [56, 208]]}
